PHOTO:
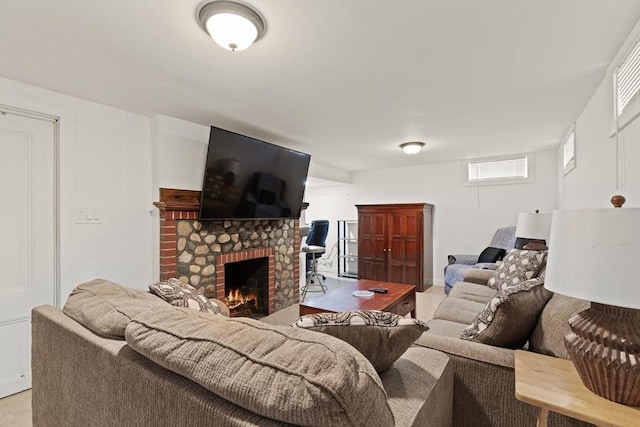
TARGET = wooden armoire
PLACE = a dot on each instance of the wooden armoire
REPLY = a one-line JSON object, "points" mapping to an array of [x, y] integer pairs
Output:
{"points": [[395, 243]]}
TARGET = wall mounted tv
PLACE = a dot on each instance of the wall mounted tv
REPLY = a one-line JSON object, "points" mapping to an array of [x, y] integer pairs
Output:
{"points": [[245, 178]]}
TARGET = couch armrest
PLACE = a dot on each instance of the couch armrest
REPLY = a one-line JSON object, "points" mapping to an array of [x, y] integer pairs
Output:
{"points": [[470, 350], [462, 259], [478, 275]]}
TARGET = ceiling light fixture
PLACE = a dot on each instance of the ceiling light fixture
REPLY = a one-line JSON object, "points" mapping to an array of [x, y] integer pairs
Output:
{"points": [[412, 147], [234, 26]]}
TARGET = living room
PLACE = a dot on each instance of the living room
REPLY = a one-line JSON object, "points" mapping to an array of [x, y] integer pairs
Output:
{"points": [[116, 158]]}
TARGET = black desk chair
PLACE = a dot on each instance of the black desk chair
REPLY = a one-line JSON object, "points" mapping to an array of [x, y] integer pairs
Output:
{"points": [[314, 247]]}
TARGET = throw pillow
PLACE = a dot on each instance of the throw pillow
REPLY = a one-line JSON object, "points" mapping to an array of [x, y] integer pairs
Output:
{"points": [[286, 374], [180, 294], [520, 242], [510, 316], [106, 308], [382, 337], [516, 267], [491, 254]]}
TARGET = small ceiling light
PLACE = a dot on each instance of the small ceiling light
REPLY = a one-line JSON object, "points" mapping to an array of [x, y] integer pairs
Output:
{"points": [[234, 26], [412, 147]]}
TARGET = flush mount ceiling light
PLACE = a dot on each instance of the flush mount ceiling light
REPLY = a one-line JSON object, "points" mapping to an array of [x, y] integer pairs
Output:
{"points": [[412, 147], [234, 26]]}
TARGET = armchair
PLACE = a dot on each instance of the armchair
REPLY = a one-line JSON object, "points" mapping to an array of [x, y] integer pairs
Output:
{"points": [[502, 242]]}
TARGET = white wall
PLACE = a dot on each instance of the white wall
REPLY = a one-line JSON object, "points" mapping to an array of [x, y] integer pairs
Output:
{"points": [[105, 163], [178, 152], [182, 152], [593, 181], [464, 218]]}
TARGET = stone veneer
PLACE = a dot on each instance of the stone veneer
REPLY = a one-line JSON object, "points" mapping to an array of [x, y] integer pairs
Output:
{"points": [[195, 252]]}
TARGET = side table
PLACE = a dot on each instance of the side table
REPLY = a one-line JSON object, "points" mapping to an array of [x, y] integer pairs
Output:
{"points": [[552, 384]]}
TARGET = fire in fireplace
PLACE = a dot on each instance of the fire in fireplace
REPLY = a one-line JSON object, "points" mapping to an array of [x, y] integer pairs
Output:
{"points": [[246, 287], [242, 305]]}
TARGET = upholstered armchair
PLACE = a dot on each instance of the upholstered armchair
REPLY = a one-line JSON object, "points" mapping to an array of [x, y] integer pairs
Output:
{"points": [[502, 242]]}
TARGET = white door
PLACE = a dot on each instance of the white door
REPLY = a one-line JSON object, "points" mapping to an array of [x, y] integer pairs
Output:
{"points": [[27, 239]]}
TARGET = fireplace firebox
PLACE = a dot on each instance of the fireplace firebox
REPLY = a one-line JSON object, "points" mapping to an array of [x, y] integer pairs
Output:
{"points": [[247, 287]]}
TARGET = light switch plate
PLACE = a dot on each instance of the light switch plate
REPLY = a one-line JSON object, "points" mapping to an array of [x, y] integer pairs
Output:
{"points": [[89, 216]]}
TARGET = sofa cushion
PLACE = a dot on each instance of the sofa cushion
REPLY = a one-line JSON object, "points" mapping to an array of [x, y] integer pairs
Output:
{"points": [[479, 275], [517, 266], [445, 336], [106, 308], [491, 255], [287, 374], [445, 328], [459, 310], [472, 292], [182, 294], [508, 319], [553, 325], [382, 337]]}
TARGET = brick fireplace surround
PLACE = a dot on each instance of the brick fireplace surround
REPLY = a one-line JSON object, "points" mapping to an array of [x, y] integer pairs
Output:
{"points": [[196, 253]]}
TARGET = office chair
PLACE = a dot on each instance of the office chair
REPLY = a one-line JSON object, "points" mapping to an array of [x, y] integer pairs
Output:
{"points": [[314, 247]]}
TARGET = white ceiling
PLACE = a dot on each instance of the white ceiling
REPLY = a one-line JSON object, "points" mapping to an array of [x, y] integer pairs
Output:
{"points": [[346, 81]]}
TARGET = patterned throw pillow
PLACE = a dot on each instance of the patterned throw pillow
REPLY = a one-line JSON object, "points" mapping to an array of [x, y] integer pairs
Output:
{"points": [[380, 336], [180, 294], [517, 266], [510, 316]]}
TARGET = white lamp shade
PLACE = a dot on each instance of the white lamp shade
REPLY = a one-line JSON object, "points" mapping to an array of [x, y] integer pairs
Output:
{"points": [[232, 32], [595, 255], [534, 226]]}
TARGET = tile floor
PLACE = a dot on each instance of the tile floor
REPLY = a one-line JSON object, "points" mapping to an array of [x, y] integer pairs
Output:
{"points": [[15, 410]]}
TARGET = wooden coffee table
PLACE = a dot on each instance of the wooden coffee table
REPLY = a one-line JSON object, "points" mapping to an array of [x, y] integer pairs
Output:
{"points": [[399, 299]]}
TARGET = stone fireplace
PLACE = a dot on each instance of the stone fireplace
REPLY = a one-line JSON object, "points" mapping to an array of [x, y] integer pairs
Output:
{"points": [[201, 254]]}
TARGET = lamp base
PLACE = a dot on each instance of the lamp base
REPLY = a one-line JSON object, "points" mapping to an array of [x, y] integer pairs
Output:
{"points": [[604, 346]]}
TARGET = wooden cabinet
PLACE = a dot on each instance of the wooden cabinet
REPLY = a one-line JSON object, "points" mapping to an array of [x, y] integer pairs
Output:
{"points": [[395, 243]]}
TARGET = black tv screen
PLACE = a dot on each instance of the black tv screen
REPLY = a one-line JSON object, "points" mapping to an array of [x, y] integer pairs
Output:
{"points": [[245, 178]]}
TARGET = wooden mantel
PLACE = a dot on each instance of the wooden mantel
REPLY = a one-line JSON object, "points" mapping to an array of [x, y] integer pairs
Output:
{"points": [[178, 200]]}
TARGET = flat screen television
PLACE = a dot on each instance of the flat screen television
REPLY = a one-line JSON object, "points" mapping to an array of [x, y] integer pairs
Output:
{"points": [[246, 178]]}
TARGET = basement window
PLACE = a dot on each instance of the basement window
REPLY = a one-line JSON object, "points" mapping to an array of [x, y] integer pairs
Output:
{"points": [[515, 169], [568, 147], [626, 88]]}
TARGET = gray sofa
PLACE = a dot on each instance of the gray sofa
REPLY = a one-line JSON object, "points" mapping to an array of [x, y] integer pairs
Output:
{"points": [[484, 390], [174, 375], [458, 264]]}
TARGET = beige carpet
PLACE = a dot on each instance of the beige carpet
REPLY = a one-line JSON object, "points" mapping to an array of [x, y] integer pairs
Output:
{"points": [[426, 304]]}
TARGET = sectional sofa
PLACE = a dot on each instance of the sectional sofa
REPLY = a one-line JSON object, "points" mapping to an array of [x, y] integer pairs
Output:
{"points": [[119, 357], [484, 377]]}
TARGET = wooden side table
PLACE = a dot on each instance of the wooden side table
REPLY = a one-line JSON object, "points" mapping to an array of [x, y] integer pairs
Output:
{"points": [[553, 384]]}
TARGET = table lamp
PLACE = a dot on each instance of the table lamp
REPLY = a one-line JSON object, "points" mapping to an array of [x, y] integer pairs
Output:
{"points": [[595, 256], [535, 227]]}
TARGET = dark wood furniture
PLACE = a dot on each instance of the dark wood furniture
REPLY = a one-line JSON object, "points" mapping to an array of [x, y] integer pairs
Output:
{"points": [[395, 243], [399, 299]]}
